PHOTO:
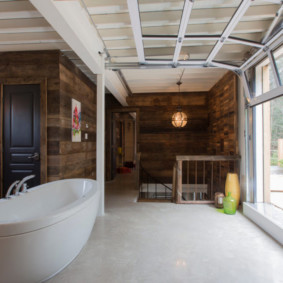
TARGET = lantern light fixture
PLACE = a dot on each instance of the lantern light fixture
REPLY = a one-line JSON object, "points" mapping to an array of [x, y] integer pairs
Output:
{"points": [[179, 118]]}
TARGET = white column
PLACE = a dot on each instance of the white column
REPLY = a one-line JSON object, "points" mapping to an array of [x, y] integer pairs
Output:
{"points": [[100, 134]]}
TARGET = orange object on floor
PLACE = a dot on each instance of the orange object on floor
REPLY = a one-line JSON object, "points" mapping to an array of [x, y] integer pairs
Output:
{"points": [[123, 170]]}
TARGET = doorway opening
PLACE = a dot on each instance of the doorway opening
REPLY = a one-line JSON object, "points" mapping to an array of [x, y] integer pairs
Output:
{"points": [[124, 134]]}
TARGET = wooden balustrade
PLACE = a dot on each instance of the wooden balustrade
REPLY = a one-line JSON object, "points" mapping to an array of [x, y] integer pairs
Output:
{"points": [[196, 178]]}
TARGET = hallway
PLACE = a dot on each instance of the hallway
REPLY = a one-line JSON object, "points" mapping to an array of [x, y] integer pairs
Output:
{"points": [[165, 242]]}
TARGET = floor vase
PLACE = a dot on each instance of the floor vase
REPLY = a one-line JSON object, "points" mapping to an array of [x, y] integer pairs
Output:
{"points": [[232, 185]]}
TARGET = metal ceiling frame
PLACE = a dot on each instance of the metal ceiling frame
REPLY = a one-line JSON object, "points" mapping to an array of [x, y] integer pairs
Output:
{"points": [[245, 4], [274, 68], [261, 53], [273, 24], [233, 39], [133, 7], [188, 6], [264, 46], [274, 93]]}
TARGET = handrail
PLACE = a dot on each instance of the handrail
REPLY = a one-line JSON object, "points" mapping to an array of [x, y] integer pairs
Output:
{"points": [[202, 189], [155, 179], [156, 182]]}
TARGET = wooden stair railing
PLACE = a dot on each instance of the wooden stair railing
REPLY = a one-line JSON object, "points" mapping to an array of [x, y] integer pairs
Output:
{"points": [[206, 181]]}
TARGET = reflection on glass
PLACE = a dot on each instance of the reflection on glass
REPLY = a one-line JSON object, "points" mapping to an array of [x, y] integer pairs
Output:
{"points": [[278, 56], [264, 77], [273, 151]]}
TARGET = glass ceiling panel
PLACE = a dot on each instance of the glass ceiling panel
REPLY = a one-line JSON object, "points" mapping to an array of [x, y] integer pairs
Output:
{"points": [[165, 53], [234, 54], [151, 21], [256, 36], [196, 50], [278, 56], [161, 30], [211, 17], [256, 21], [159, 43]]}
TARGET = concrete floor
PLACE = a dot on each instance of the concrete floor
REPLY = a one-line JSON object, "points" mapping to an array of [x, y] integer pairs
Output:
{"points": [[164, 242]]}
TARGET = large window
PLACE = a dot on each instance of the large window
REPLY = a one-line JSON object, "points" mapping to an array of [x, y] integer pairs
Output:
{"points": [[268, 135], [276, 151]]}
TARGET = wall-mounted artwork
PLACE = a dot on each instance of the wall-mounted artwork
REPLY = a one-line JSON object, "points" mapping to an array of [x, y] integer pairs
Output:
{"points": [[76, 121]]}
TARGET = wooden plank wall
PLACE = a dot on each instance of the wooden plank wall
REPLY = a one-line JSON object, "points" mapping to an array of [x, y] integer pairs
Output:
{"points": [[223, 116], [77, 159], [64, 81], [159, 141], [32, 66], [212, 127]]}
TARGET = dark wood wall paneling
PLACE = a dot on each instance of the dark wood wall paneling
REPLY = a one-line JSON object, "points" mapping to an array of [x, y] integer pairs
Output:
{"points": [[64, 81], [223, 116], [78, 159], [159, 141], [211, 129]]}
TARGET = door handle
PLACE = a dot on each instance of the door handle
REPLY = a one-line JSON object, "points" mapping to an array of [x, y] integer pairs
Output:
{"points": [[35, 156]]}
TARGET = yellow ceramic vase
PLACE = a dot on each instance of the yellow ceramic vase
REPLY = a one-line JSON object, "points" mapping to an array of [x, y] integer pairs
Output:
{"points": [[232, 185]]}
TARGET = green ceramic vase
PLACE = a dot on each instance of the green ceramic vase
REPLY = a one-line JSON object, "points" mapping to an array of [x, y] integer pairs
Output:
{"points": [[230, 204]]}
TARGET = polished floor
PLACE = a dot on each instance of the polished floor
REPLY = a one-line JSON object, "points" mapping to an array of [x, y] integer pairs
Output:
{"points": [[165, 242]]}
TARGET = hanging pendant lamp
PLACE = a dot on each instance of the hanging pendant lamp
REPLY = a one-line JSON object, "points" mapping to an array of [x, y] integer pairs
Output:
{"points": [[179, 118]]}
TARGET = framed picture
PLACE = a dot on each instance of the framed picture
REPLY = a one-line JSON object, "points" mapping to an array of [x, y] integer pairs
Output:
{"points": [[76, 121]]}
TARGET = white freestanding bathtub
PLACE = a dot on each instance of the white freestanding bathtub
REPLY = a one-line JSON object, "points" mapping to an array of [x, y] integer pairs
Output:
{"points": [[43, 230]]}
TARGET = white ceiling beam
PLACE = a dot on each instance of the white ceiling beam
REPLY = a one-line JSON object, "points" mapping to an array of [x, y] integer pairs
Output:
{"points": [[247, 28], [119, 6], [201, 37], [37, 36], [70, 20], [274, 1], [34, 46], [188, 6], [19, 15], [17, 10], [133, 7], [156, 37], [273, 24], [25, 30], [11, 42], [186, 37], [245, 4], [206, 37], [115, 86], [162, 64]]}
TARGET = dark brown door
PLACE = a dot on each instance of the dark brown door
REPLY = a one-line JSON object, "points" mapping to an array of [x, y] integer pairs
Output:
{"points": [[21, 134]]}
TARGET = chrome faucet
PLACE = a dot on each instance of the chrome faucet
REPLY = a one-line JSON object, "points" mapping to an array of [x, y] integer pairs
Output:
{"points": [[11, 188], [22, 185]]}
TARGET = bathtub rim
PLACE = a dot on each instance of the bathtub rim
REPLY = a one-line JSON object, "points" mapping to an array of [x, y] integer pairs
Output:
{"points": [[15, 228]]}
